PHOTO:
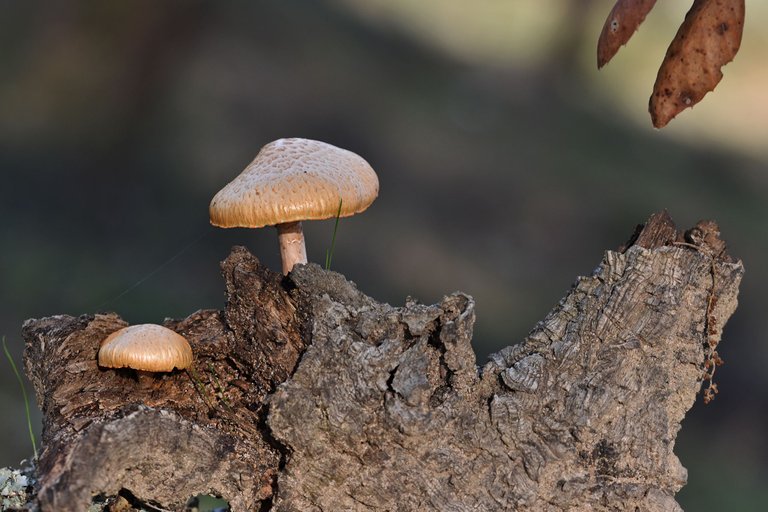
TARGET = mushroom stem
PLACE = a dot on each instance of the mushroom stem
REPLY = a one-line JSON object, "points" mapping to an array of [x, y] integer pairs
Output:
{"points": [[292, 248], [146, 379]]}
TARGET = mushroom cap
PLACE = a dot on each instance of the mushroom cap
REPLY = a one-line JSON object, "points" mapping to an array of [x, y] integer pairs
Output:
{"points": [[293, 180], [146, 347]]}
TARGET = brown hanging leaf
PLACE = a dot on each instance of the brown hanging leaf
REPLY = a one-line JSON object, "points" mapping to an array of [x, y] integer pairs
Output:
{"points": [[621, 23], [708, 39]]}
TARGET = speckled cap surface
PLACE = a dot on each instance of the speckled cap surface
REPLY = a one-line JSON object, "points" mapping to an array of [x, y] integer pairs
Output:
{"points": [[147, 347], [292, 180]]}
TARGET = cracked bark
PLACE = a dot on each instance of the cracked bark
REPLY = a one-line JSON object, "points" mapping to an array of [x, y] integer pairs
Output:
{"points": [[308, 395]]}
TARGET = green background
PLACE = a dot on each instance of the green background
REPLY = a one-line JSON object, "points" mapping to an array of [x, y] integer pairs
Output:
{"points": [[507, 164]]}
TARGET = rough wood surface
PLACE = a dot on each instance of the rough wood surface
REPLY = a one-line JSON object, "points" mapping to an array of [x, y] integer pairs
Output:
{"points": [[308, 395], [102, 430]]}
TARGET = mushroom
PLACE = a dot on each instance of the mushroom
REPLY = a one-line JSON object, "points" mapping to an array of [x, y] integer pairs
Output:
{"points": [[146, 348], [292, 180]]}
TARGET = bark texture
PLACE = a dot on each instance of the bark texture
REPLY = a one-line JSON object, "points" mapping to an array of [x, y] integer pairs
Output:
{"points": [[308, 395]]}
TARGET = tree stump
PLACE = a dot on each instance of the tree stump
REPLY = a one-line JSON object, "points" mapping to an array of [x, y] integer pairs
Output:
{"points": [[307, 395]]}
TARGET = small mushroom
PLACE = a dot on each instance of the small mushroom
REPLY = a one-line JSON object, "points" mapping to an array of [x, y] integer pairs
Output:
{"points": [[147, 348], [292, 180]]}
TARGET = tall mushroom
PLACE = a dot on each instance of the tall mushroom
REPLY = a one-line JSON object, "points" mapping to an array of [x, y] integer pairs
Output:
{"points": [[292, 180]]}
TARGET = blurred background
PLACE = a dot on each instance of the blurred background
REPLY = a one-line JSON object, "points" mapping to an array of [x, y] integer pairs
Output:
{"points": [[507, 164]]}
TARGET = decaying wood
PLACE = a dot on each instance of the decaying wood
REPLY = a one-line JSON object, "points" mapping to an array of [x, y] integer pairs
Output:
{"points": [[308, 395], [102, 429]]}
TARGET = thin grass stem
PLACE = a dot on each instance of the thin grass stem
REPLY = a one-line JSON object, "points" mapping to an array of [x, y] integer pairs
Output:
{"points": [[24, 393], [329, 252]]}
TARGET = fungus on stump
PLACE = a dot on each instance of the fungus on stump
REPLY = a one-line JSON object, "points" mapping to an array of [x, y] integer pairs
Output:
{"points": [[145, 348], [292, 180], [312, 396]]}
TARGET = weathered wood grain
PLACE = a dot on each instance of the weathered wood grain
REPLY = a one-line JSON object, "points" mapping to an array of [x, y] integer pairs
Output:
{"points": [[308, 395]]}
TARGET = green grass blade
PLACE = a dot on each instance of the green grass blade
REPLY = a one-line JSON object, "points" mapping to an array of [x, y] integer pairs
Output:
{"points": [[24, 393], [329, 252]]}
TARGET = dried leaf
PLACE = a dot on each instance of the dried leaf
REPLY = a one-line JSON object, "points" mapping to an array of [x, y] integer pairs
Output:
{"points": [[621, 23], [707, 40]]}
